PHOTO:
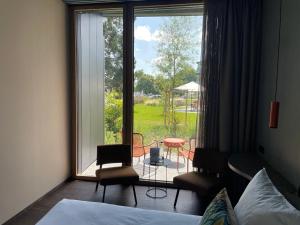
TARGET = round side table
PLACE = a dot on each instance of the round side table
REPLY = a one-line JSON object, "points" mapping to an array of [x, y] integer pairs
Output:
{"points": [[157, 192]]}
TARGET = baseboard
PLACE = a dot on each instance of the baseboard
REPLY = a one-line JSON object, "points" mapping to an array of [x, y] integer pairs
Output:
{"points": [[45, 195]]}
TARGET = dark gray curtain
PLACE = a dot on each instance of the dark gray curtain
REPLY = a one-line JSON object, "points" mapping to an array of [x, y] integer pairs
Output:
{"points": [[230, 69]]}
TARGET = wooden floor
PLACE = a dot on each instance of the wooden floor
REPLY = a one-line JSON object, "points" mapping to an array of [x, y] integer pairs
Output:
{"points": [[188, 202]]}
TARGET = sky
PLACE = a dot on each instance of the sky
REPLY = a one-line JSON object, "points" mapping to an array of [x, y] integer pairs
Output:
{"points": [[146, 30]]}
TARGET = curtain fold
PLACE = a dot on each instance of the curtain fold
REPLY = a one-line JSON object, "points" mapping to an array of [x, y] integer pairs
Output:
{"points": [[229, 75]]}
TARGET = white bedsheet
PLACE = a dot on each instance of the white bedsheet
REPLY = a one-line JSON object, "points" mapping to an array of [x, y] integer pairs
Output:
{"points": [[74, 212]]}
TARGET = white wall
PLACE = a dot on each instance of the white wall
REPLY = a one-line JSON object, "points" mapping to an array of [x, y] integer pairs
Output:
{"points": [[282, 145], [34, 126]]}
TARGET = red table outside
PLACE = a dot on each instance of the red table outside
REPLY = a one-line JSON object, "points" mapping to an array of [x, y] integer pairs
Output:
{"points": [[174, 143]]}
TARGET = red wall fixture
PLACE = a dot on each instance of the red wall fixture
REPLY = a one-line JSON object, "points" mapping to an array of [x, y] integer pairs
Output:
{"points": [[274, 114], [274, 110]]}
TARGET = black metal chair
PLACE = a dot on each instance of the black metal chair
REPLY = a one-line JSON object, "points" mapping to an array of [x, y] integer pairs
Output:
{"points": [[210, 175], [124, 174]]}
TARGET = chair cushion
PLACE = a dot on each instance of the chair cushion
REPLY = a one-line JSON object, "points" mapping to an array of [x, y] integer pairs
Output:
{"points": [[198, 182], [117, 175]]}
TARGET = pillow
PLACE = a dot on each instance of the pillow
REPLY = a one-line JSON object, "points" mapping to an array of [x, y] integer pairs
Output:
{"points": [[219, 211], [262, 203]]}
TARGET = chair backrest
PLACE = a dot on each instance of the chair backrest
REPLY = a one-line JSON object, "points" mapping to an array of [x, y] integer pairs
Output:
{"points": [[137, 139], [192, 144], [118, 153], [210, 161]]}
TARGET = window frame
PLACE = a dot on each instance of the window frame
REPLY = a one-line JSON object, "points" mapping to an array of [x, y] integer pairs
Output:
{"points": [[128, 70]]}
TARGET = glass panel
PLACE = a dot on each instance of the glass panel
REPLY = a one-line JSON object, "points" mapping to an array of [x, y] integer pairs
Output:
{"points": [[167, 46], [99, 52]]}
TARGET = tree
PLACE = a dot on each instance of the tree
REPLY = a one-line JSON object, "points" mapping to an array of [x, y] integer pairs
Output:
{"points": [[186, 74], [177, 40], [113, 35], [145, 83], [164, 85]]}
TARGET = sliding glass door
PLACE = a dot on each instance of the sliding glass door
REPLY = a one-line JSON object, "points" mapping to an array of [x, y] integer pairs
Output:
{"points": [[130, 61], [167, 45], [99, 75]]}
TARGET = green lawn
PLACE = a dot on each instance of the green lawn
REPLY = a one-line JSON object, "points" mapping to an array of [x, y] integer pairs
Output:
{"points": [[149, 121]]}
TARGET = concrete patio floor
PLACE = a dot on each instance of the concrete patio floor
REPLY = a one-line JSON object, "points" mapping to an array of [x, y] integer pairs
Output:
{"points": [[162, 173]]}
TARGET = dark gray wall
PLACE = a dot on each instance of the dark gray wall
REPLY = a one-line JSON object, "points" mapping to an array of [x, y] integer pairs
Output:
{"points": [[282, 145]]}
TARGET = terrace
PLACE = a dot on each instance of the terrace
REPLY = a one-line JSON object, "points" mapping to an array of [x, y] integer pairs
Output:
{"points": [[149, 173]]}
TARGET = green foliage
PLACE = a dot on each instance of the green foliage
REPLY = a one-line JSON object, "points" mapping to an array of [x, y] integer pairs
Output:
{"points": [[149, 120], [113, 35], [163, 84], [110, 137], [145, 83], [186, 74], [113, 112], [176, 45]]}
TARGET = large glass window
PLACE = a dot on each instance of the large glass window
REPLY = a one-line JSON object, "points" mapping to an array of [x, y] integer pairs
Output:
{"points": [[165, 89], [167, 46]]}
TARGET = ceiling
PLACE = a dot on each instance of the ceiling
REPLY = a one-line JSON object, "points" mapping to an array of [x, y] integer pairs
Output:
{"points": [[76, 2]]}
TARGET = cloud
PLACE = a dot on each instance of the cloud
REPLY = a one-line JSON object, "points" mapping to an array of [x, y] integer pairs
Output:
{"points": [[156, 60], [143, 33]]}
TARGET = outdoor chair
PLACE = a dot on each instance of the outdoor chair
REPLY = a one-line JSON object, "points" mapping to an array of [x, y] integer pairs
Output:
{"points": [[124, 174], [188, 153], [139, 149], [210, 176]]}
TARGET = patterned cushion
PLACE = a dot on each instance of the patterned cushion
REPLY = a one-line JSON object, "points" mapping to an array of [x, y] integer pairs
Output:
{"points": [[219, 211]]}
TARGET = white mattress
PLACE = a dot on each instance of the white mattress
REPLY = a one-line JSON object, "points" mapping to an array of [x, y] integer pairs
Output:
{"points": [[76, 212]]}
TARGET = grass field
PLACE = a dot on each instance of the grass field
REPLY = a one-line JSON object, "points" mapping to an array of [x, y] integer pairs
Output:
{"points": [[149, 120]]}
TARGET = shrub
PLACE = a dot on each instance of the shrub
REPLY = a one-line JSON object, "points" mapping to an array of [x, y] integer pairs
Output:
{"points": [[152, 102], [139, 99], [113, 111], [110, 137]]}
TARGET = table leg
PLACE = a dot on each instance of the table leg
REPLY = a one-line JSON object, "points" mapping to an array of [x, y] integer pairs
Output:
{"points": [[149, 175], [166, 180], [177, 158], [155, 181]]}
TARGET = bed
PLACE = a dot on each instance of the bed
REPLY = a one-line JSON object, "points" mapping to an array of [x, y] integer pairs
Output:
{"points": [[81, 212]]}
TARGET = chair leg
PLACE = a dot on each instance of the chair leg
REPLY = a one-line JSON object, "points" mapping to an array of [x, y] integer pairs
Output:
{"points": [[188, 162], [103, 197], [96, 189], [144, 165], [177, 158], [177, 193], [133, 188]]}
